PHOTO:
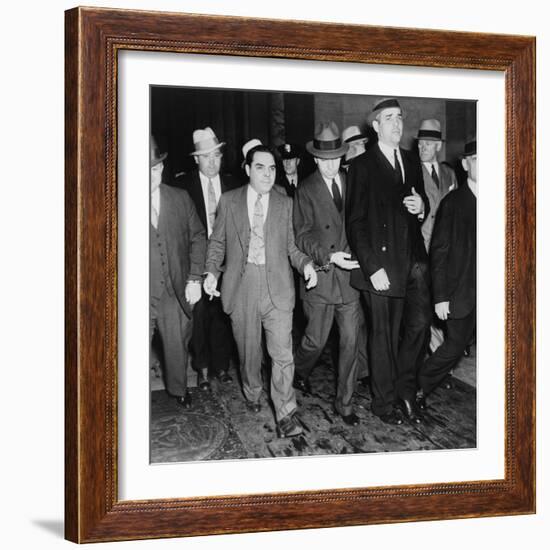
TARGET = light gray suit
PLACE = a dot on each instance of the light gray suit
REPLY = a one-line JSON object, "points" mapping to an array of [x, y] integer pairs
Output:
{"points": [[255, 296]]}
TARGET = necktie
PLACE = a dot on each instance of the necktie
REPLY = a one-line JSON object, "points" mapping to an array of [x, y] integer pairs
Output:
{"points": [[336, 196], [256, 251], [211, 204], [397, 167], [435, 177]]}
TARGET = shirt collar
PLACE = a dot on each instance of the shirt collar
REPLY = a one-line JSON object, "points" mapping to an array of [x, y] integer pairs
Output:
{"points": [[388, 151], [473, 186]]}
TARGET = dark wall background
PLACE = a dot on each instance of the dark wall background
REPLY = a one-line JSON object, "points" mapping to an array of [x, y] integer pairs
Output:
{"points": [[278, 117]]}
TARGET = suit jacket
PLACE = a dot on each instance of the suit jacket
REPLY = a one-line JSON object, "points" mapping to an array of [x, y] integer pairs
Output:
{"points": [[191, 182], [183, 237], [320, 231], [230, 240], [382, 233], [453, 252], [447, 182]]}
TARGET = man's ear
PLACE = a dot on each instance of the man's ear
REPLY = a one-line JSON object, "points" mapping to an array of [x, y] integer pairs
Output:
{"points": [[375, 125], [196, 159], [464, 165], [297, 161], [247, 169], [438, 146]]}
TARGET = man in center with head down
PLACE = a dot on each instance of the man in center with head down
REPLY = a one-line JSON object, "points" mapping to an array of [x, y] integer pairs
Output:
{"points": [[253, 234], [387, 208], [321, 233]]}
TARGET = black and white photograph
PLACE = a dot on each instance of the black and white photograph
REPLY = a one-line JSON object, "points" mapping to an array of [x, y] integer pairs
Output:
{"points": [[312, 263]]}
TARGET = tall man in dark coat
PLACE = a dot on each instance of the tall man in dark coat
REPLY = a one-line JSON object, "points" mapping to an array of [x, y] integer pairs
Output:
{"points": [[387, 207], [320, 232], [212, 340], [453, 268], [178, 248], [253, 233]]}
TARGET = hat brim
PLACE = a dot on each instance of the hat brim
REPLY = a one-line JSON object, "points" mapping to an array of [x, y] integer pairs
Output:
{"points": [[158, 160], [372, 115], [207, 151], [429, 138], [334, 154]]}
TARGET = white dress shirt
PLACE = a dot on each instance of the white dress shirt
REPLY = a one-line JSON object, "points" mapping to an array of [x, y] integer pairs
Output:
{"points": [[155, 206], [429, 165], [216, 183], [473, 186], [388, 152], [251, 196]]}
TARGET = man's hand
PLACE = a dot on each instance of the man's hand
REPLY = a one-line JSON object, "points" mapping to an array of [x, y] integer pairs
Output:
{"points": [[442, 310], [414, 203], [310, 275], [342, 259], [380, 280], [209, 285], [193, 292]]}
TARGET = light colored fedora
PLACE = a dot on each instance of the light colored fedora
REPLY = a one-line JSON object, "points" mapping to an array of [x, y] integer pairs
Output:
{"points": [[430, 129], [250, 144], [353, 133], [327, 143], [205, 141]]}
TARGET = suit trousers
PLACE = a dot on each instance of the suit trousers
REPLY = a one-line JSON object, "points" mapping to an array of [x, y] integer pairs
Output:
{"points": [[446, 356], [254, 310], [212, 340], [320, 317], [398, 331], [174, 329]]}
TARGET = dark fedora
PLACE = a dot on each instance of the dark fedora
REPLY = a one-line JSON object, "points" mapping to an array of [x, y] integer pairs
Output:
{"points": [[289, 151], [470, 148], [387, 103], [430, 129], [156, 156], [327, 143]]}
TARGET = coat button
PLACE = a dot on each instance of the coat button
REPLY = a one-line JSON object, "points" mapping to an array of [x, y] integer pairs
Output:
{"points": [[327, 226], [383, 249], [332, 247]]}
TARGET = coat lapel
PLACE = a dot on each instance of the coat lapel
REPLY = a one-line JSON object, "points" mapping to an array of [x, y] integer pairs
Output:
{"points": [[239, 212], [271, 225]]}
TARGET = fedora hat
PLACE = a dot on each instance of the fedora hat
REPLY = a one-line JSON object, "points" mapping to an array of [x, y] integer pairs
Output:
{"points": [[289, 151], [353, 133], [327, 143], [205, 141], [430, 129], [387, 103], [470, 148], [250, 144], [156, 156]]}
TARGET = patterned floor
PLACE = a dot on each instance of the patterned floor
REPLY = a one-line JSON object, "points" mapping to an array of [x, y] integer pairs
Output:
{"points": [[219, 426]]}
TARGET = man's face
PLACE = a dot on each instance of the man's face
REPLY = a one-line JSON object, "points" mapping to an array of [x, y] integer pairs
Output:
{"points": [[261, 172], [210, 164], [470, 165], [389, 126], [328, 167], [356, 148], [156, 175], [290, 166], [428, 149]]}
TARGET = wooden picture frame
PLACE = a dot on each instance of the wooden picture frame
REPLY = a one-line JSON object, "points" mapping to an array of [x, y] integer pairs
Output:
{"points": [[93, 39]]}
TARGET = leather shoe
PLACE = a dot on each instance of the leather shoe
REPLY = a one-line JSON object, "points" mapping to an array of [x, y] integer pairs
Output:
{"points": [[202, 380], [447, 383], [254, 407], [394, 417], [184, 400], [351, 419], [421, 404], [412, 414], [224, 377], [289, 427], [301, 383]]}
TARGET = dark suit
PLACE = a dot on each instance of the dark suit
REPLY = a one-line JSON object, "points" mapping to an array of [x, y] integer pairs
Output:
{"points": [[383, 234], [320, 231], [255, 296], [178, 248], [212, 340], [453, 267]]}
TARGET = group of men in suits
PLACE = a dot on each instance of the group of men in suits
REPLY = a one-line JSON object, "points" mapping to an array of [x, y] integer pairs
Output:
{"points": [[368, 234]]}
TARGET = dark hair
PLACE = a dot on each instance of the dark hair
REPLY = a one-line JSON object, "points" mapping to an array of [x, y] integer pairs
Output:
{"points": [[258, 149]]}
